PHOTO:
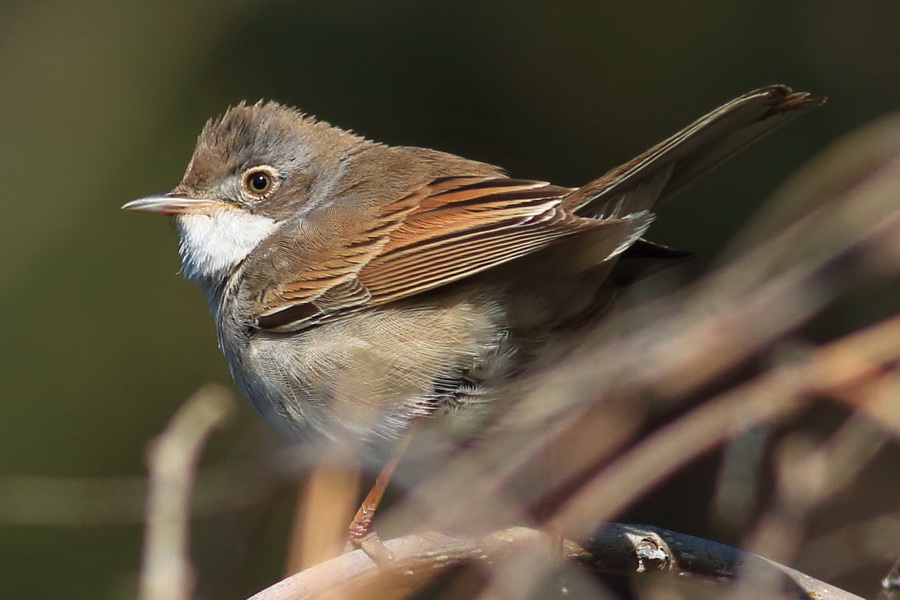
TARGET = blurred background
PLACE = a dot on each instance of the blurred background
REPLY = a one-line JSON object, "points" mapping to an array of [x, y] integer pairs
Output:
{"points": [[102, 102]]}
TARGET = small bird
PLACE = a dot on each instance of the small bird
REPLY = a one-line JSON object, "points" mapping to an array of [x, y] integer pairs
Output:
{"points": [[357, 287]]}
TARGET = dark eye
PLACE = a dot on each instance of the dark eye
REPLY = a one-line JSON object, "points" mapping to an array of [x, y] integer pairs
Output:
{"points": [[259, 181]]}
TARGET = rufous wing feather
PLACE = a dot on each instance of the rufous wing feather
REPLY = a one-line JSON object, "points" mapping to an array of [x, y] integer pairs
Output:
{"points": [[450, 229]]}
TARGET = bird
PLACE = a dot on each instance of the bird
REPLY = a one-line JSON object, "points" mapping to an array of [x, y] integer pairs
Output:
{"points": [[359, 287]]}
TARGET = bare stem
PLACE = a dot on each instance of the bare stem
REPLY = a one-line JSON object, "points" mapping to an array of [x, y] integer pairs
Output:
{"points": [[166, 572]]}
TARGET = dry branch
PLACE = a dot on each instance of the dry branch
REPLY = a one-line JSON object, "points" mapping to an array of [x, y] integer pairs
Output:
{"points": [[634, 550]]}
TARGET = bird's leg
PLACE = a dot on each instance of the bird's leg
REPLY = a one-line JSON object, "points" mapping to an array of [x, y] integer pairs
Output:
{"points": [[360, 534]]}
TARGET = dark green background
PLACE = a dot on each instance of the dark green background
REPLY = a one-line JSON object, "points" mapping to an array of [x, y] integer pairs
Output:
{"points": [[102, 102]]}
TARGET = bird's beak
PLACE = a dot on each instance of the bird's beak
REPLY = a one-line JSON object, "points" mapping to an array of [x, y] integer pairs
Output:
{"points": [[173, 203]]}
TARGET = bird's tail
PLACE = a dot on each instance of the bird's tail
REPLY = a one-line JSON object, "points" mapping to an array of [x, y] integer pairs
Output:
{"points": [[663, 170]]}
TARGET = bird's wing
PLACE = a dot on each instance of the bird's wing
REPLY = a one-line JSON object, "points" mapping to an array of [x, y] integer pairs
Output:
{"points": [[441, 232]]}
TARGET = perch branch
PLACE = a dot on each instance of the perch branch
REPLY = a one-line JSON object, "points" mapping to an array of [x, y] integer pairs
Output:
{"points": [[633, 550]]}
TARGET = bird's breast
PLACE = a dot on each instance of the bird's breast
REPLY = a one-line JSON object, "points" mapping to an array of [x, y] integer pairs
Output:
{"points": [[374, 371]]}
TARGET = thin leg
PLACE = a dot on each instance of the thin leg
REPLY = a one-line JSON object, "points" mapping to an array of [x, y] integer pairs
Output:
{"points": [[360, 532]]}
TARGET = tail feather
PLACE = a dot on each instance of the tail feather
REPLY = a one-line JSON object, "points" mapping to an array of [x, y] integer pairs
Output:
{"points": [[665, 169]]}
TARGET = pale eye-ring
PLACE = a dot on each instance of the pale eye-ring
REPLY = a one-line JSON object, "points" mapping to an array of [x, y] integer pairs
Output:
{"points": [[260, 181]]}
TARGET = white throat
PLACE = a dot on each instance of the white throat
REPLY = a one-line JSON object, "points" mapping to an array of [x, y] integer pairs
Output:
{"points": [[212, 245]]}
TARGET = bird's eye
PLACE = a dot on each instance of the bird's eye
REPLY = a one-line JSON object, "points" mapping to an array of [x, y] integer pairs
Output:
{"points": [[259, 181]]}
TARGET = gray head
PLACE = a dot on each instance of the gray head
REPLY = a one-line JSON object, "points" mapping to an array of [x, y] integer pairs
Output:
{"points": [[253, 168], [265, 157]]}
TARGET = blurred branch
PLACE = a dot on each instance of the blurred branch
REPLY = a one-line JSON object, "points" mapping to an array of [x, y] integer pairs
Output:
{"points": [[633, 550], [166, 572], [890, 585], [809, 473], [873, 541], [839, 365], [89, 501], [323, 510], [71, 501]]}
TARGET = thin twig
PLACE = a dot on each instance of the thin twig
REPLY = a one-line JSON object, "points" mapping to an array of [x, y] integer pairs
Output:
{"points": [[166, 572]]}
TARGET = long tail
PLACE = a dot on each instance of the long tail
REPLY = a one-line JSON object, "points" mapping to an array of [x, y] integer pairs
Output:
{"points": [[663, 170]]}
